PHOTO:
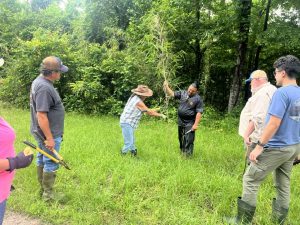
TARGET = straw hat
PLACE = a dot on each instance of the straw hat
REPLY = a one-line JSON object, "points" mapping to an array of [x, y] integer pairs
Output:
{"points": [[142, 90]]}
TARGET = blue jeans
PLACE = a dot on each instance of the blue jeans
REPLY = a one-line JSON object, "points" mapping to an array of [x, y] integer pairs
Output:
{"points": [[2, 211], [43, 161], [128, 135]]}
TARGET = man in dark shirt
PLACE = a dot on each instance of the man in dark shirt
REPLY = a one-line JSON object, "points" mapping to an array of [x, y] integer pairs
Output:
{"points": [[189, 115], [47, 118]]}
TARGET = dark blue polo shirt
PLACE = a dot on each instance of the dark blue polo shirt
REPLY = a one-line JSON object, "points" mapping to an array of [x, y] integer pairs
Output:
{"points": [[188, 107]]}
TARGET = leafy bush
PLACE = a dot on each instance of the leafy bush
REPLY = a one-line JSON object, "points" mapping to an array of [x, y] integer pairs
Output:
{"points": [[22, 68]]}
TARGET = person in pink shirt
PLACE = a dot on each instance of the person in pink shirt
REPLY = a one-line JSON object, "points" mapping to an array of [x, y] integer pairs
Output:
{"points": [[9, 162]]}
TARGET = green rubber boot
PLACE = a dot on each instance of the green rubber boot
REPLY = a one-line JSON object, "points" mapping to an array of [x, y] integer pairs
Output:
{"points": [[279, 214], [245, 213], [49, 195], [48, 183], [40, 179]]}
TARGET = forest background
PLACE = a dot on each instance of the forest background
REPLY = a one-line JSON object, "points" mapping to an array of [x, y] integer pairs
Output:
{"points": [[111, 46]]}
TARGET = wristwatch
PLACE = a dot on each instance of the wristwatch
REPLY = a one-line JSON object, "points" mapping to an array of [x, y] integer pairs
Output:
{"points": [[260, 144]]}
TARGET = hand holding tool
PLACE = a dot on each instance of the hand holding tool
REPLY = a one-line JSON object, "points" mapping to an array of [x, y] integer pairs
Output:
{"points": [[47, 155], [58, 159], [41, 151], [39, 136]]}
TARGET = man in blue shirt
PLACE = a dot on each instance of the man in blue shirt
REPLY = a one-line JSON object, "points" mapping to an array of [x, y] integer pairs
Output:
{"points": [[277, 147]]}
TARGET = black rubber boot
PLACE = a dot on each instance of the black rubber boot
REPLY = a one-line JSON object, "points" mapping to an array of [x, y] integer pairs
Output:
{"points": [[279, 214], [40, 178], [134, 152], [245, 213], [296, 162]]}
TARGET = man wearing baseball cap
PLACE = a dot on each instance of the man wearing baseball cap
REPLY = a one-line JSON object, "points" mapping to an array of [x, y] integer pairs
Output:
{"points": [[277, 147], [253, 115], [256, 75], [47, 118]]}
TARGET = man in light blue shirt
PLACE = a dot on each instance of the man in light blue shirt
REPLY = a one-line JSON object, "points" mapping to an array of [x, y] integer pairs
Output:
{"points": [[277, 147]]}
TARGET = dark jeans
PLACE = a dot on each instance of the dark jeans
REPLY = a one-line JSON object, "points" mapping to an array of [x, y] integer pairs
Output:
{"points": [[186, 141]]}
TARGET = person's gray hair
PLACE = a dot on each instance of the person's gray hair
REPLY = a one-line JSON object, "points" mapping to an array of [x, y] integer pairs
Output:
{"points": [[45, 72]]}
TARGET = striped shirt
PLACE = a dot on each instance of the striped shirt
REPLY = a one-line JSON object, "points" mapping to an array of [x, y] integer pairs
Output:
{"points": [[131, 114]]}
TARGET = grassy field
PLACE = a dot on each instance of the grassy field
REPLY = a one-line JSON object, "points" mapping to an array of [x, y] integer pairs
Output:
{"points": [[158, 187]]}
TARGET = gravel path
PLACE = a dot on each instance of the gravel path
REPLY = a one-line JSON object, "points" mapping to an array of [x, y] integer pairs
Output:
{"points": [[13, 218]]}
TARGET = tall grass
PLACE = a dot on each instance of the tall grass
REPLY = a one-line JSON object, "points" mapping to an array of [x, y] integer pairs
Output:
{"points": [[158, 187]]}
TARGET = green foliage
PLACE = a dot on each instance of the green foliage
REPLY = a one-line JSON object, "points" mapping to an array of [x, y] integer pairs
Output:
{"points": [[102, 81], [22, 67], [111, 46], [215, 120], [106, 14]]}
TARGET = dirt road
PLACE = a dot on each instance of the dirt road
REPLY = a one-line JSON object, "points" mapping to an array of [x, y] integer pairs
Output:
{"points": [[12, 218]]}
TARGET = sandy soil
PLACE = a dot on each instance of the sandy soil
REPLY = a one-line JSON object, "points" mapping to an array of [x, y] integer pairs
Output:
{"points": [[12, 218]]}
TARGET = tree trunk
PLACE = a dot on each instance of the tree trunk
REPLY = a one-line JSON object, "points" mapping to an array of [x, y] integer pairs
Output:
{"points": [[198, 59], [244, 18], [247, 88], [198, 53], [259, 48]]}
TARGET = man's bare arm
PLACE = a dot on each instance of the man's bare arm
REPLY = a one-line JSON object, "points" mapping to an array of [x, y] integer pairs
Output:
{"points": [[167, 89], [44, 125]]}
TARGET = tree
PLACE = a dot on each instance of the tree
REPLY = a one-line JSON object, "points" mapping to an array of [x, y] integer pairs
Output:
{"points": [[244, 18], [259, 48], [106, 14]]}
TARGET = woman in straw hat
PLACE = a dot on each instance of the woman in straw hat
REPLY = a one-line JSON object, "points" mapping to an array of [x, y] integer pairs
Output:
{"points": [[132, 113]]}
